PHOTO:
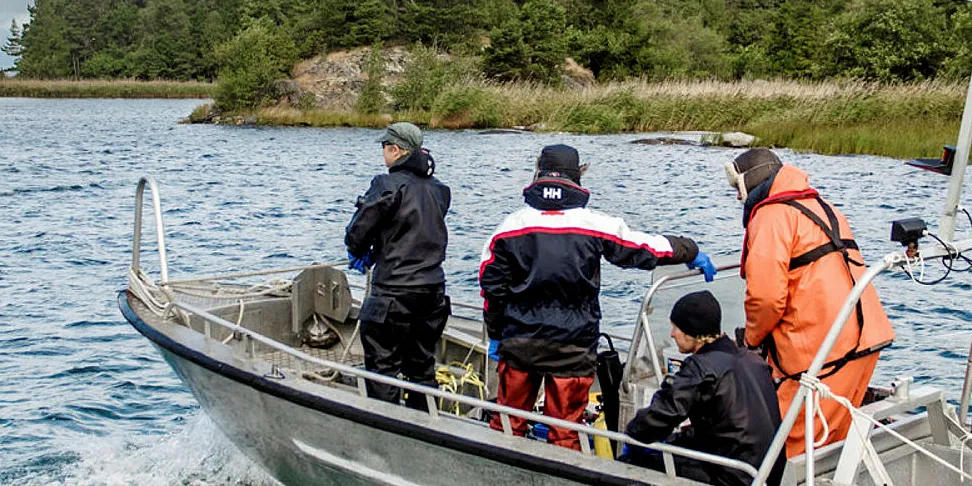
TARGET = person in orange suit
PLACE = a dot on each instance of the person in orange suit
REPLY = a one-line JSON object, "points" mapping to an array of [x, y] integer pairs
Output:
{"points": [[800, 262]]}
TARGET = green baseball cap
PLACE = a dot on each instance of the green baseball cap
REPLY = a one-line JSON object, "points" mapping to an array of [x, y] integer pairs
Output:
{"points": [[403, 134]]}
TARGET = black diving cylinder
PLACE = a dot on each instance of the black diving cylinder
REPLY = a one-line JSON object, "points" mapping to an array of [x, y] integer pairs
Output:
{"points": [[609, 376]]}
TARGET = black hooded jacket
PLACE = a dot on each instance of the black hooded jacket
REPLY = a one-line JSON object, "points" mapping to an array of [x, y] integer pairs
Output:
{"points": [[540, 276], [401, 220], [728, 394]]}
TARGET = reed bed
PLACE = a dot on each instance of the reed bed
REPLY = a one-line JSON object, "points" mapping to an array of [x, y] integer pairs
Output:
{"points": [[901, 120], [287, 116], [37, 88]]}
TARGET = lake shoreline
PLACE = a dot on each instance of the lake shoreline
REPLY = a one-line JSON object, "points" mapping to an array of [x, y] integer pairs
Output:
{"points": [[851, 117], [902, 121], [125, 88]]}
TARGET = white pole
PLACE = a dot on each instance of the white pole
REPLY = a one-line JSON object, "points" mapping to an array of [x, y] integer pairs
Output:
{"points": [[946, 228], [779, 440], [808, 434]]}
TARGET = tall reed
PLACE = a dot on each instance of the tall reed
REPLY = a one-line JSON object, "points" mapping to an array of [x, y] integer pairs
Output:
{"points": [[900, 120], [36, 88]]}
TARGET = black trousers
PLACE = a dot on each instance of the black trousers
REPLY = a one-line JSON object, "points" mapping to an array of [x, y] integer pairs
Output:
{"points": [[684, 467], [400, 327], [698, 470]]}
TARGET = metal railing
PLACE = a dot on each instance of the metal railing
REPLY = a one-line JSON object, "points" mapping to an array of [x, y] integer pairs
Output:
{"points": [[641, 330], [890, 261], [159, 229], [250, 338]]}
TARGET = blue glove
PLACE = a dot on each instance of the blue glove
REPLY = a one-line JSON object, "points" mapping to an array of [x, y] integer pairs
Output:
{"points": [[702, 262], [361, 264], [493, 349]]}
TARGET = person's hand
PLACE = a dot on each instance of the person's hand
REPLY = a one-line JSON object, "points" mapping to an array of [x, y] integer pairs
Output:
{"points": [[493, 349], [702, 262], [361, 264]]}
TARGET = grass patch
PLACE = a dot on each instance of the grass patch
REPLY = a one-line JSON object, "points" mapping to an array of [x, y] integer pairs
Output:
{"points": [[893, 138], [36, 88], [286, 116], [469, 106], [905, 120]]}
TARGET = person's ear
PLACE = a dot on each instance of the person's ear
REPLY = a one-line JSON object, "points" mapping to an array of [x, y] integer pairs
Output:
{"points": [[583, 169]]}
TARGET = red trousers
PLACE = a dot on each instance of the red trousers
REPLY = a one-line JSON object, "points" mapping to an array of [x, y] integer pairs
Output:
{"points": [[566, 399]]}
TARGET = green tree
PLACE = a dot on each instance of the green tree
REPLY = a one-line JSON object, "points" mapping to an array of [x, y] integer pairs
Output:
{"points": [[250, 64], [166, 49], [799, 29], [372, 97], [531, 46], [887, 40], [682, 47], [45, 52], [452, 23], [544, 24], [959, 66], [507, 56], [609, 53], [14, 46], [426, 75], [367, 22]]}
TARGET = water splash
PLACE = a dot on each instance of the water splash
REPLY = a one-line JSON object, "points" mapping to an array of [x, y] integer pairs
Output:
{"points": [[196, 455]]}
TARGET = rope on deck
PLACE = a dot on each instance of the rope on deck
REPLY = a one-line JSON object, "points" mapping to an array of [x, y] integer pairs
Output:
{"points": [[823, 390]]}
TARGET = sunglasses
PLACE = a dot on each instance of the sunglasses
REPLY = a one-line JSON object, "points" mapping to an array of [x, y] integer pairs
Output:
{"points": [[385, 144]]}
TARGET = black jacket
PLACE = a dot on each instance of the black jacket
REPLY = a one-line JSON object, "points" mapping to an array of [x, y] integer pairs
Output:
{"points": [[401, 220], [541, 275], [728, 394]]}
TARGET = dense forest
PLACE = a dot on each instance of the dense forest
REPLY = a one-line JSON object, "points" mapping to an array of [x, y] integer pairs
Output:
{"points": [[881, 40], [726, 39]]}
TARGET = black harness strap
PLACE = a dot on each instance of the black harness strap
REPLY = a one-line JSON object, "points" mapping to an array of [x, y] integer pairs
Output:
{"points": [[836, 244], [815, 254]]}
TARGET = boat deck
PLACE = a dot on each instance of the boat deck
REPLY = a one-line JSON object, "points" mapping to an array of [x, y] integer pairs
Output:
{"points": [[334, 353]]}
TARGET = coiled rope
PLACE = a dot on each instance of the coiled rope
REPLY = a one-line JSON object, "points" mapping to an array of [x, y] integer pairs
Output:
{"points": [[447, 382]]}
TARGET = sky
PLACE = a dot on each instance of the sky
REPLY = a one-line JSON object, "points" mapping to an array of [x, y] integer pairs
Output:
{"points": [[9, 10]]}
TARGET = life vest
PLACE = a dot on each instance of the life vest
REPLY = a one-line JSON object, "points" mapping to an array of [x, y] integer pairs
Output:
{"points": [[836, 245]]}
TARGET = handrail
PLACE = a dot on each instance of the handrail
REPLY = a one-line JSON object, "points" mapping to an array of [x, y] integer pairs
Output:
{"points": [[641, 329], [891, 260], [159, 228], [271, 271], [432, 393]]}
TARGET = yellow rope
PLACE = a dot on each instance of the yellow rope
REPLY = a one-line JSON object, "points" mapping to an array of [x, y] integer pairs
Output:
{"points": [[447, 382]]}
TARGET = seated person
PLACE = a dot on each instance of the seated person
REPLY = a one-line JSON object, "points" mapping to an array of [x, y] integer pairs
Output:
{"points": [[726, 392]]}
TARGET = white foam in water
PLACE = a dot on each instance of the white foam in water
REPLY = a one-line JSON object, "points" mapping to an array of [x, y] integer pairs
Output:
{"points": [[198, 455]]}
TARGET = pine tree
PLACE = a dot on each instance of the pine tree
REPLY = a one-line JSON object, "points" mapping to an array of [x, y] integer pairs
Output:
{"points": [[14, 47]]}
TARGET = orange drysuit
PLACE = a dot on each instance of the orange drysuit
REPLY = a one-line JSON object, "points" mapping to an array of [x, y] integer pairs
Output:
{"points": [[796, 307]]}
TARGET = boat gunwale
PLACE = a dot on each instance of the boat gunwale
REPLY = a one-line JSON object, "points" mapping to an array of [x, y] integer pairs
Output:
{"points": [[371, 419]]}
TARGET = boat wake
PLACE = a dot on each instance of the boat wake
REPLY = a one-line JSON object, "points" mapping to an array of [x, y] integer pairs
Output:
{"points": [[197, 455]]}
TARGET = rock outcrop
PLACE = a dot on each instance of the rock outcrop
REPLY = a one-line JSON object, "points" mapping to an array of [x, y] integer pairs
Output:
{"points": [[333, 81]]}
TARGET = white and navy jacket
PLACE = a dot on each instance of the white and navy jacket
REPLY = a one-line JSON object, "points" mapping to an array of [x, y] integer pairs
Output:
{"points": [[541, 275]]}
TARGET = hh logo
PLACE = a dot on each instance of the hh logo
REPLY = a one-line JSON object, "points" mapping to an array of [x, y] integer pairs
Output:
{"points": [[552, 193]]}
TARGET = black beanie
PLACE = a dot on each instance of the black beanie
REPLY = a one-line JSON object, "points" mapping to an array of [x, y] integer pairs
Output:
{"points": [[698, 314], [559, 161]]}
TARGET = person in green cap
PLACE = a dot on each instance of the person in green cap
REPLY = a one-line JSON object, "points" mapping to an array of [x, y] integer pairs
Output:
{"points": [[399, 227]]}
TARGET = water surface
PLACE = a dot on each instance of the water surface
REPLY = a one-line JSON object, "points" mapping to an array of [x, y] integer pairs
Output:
{"points": [[86, 400]]}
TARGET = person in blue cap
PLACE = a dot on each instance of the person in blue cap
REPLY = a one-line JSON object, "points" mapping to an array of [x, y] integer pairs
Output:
{"points": [[540, 276], [399, 227]]}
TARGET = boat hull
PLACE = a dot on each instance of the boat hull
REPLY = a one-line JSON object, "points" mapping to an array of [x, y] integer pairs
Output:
{"points": [[334, 437]]}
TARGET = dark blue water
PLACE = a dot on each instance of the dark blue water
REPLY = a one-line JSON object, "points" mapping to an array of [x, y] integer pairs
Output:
{"points": [[85, 400]]}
